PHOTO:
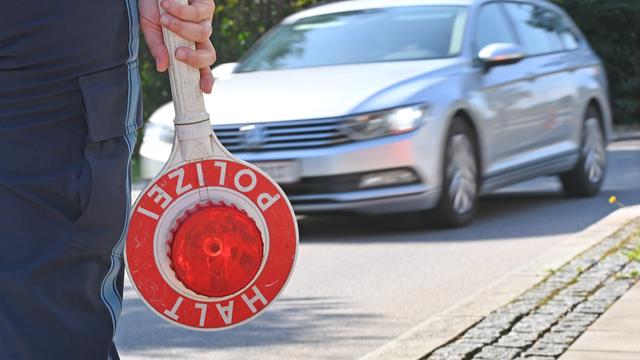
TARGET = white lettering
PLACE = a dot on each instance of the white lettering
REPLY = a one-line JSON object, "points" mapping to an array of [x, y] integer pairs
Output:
{"points": [[239, 176], [180, 188], [200, 174], [258, 297], [223, 170], [144, 211], [265, 200], [203, 313], [162, 196], [226, 312], [172, 314]]}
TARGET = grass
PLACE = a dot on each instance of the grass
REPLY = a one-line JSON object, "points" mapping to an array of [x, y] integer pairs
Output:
{"points": [[634, 255]]}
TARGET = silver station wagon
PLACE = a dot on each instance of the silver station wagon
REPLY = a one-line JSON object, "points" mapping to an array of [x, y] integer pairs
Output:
{"points": [[376, 106]]}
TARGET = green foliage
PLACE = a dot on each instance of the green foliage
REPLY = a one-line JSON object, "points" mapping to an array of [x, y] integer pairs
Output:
{"points": [[613, 30], [634, 255], [612, 27], [239, 23]]}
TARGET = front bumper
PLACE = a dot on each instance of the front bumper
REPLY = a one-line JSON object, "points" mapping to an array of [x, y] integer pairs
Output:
{"points": [[376, 201], [410, 151]]}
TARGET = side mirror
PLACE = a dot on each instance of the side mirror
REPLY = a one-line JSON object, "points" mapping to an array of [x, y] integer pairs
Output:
{"points": [[223, 70], [500, 54]]}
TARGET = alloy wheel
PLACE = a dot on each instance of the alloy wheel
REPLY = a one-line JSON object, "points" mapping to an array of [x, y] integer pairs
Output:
{"points": [[594, 151], [462, 173]]}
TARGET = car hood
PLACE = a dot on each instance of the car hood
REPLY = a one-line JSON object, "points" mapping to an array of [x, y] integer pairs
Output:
{"points": [[321, 92]]}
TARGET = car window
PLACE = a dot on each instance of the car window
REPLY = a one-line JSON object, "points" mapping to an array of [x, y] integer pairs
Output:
{"points": [[537, 28], [361, 36], [567, 36], [492, 27]]}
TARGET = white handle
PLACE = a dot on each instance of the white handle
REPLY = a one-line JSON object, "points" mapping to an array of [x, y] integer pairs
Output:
{"points": [[195, 137], [185, 81]]}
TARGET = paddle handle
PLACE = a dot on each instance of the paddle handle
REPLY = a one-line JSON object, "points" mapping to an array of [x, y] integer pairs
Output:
{"points": [[185, 81]]}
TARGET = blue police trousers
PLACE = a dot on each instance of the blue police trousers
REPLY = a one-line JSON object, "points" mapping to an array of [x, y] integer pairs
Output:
{"points": [[70, 104]]}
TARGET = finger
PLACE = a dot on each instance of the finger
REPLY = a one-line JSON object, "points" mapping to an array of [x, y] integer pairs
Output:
{"points": [[203, 56], [198, 32], [155, 42], [197, 11], [206, 80]]}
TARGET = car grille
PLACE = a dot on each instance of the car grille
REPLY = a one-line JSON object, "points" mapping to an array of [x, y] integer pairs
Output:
{"points": [[285, 135]]}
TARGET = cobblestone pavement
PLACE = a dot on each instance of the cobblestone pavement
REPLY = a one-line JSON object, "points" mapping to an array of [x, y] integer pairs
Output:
{"points": [[544, 321]]}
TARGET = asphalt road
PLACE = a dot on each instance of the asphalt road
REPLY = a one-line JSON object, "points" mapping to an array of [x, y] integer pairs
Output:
{"points": [[362, 281]]}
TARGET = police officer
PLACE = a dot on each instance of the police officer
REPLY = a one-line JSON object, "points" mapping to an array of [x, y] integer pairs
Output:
{"points": [[70, 104]]}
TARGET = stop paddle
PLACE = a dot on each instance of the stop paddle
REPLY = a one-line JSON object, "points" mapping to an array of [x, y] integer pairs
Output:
{"points": [[212, 239]]}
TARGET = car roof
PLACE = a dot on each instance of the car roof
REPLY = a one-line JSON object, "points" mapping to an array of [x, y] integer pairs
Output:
{"points": [[352, 5]]}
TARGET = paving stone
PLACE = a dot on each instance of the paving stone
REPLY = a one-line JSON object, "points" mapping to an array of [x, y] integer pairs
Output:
{"points": [[546, 349], [497, 353], [526, 336], [456, 350], [580, 319], [443, 355], [569, 329], [497, 320], [517, 340], [592, 307], [482, 335], [554, 309], [520, 307], [560, 338], [535, 323]]}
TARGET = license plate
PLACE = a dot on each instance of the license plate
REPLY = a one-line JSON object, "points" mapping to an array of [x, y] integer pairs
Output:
{"points": [[283, 172]]}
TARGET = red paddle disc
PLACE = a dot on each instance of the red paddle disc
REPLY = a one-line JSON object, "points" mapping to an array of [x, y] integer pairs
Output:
{"points": [[211, 244]]}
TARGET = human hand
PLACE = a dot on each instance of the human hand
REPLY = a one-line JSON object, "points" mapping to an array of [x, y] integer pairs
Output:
{"points": [[191, 22]]}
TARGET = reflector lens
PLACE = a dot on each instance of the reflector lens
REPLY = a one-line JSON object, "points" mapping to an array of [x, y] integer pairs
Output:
{"points": [[216, 250]]}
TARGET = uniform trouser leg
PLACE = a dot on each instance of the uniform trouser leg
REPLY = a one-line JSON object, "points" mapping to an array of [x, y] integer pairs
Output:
{"points": [[69, 107], [64, 203]]}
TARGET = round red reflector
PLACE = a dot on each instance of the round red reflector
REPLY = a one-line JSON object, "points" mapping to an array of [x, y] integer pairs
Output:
{"points": [[216, 250]]}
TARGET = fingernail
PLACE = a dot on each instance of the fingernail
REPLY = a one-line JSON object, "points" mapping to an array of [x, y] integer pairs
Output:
{"points": [[165, 4], [181, 54], [164, 20]]}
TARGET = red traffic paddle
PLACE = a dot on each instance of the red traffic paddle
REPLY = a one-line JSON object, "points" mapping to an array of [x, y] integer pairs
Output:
{"points": [[212, 239]]}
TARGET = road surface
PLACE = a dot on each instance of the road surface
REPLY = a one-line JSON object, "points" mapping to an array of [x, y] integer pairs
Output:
{"points": [[362, 281]]}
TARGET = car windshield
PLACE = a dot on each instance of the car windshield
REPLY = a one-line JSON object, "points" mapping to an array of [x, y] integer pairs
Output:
{"points": [[363, 36]]}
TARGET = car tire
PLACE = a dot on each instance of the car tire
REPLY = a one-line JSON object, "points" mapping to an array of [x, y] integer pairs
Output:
{"points": [[460, 183], [586, 178]]}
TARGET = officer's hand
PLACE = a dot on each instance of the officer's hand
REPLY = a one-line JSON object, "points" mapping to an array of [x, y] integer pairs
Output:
{"points": [[192, 22]]}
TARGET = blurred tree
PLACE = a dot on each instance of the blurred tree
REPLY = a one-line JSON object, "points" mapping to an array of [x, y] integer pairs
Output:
{"points": [[613, 29]]}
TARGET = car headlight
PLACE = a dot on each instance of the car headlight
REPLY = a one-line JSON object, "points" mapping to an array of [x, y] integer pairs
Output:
{"points": [[383, 123]]}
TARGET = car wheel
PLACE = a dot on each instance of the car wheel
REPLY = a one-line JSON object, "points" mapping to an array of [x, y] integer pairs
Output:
{"points": [[459, 195], [586, 178]]}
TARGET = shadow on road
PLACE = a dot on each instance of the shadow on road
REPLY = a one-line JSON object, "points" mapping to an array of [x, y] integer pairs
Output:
{"points": [[290, 320]]}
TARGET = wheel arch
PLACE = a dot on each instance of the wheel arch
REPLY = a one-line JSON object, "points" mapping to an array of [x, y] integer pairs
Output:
{"points": [[595, 104], [601, 105], [466, 116]]}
